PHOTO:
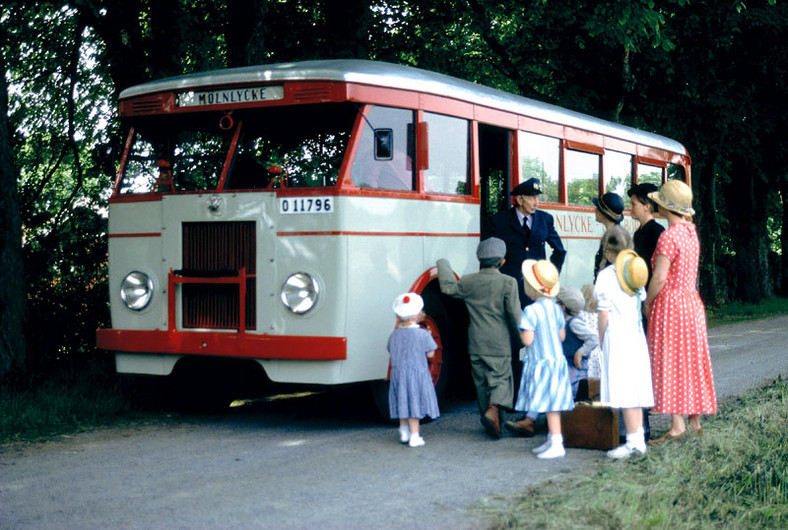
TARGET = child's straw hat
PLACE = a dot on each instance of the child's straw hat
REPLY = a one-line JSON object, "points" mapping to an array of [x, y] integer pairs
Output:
{"points": [[631, 270], [542, 276]]}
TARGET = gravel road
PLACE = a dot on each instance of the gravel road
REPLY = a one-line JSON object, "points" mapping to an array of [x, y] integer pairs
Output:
{"points": [[310, 462]]}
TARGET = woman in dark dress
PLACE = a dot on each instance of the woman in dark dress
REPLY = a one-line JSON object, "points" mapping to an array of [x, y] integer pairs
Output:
{"points": [[643, 208]]}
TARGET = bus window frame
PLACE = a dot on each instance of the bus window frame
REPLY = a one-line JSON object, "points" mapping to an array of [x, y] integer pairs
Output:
{"points": [[654, 162], [580, 147]]}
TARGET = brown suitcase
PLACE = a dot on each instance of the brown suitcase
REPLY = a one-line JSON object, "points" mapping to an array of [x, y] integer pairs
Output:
{"points": [[588, 390], [590, 425]]}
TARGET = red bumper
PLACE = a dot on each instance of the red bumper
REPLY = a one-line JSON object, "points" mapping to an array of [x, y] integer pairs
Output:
{"points": [[223, 344]]}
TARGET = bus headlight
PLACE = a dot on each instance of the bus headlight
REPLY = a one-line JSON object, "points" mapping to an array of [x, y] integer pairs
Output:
{"points": [[136, 290], [299, 293]]}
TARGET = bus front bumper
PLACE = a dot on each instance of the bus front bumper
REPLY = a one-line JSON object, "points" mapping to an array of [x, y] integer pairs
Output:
{"points": [[243, 345]]}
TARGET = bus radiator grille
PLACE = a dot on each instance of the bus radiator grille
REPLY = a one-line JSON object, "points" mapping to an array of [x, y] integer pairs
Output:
{"points": [[213, 249]]}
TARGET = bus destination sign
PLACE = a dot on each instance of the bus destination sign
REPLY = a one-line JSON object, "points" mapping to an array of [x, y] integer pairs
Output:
{"points": [[232, 96]]}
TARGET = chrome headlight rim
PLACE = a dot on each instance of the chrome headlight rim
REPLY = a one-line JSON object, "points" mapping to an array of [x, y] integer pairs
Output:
{"points": [[136, 290], [300, 293]]}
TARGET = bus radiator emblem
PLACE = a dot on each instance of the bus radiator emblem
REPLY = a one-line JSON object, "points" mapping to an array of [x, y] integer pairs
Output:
{"points": [[214, 203]]}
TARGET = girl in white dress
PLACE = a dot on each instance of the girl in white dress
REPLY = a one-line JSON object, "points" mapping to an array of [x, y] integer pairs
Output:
{"points": [[626, 370]]}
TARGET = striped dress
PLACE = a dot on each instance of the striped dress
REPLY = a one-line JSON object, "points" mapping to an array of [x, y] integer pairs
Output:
{"points": [[544, 386]]}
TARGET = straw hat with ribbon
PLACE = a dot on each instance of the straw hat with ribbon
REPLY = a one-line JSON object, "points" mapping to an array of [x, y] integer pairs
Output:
{"points": [[675, 196], [632, 271], [542, 276]]}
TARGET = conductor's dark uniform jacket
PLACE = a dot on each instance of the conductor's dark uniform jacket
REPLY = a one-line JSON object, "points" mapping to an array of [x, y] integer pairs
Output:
{"points": [[523, 243]]}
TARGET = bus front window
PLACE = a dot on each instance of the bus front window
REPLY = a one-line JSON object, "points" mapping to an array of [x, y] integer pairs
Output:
{"points": [[293, 146], [195, 159], [296, 147]]}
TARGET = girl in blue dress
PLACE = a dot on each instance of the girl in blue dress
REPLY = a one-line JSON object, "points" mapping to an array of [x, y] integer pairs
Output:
{"points": [[544, 386], [411, 392]]}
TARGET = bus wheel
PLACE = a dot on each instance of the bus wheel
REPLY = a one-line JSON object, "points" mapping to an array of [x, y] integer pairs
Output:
{"points": [[438, 322], [435, 364]]}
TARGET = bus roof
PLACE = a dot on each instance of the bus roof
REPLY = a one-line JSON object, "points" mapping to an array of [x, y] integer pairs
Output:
{"points": [[377, 73]]}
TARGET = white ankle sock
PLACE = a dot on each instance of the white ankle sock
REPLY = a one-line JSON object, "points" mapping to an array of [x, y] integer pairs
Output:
{"points": [[637, 440], [404, 434]]}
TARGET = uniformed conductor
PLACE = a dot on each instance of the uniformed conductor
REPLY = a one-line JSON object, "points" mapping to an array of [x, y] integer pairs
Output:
{"points": [[525, 229]]}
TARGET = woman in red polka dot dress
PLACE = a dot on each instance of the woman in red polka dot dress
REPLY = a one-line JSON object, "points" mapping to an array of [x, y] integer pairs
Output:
{"points": [[679, 348]]}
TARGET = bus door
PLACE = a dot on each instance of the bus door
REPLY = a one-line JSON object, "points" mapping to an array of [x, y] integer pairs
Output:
{"points": [[495, 171]]}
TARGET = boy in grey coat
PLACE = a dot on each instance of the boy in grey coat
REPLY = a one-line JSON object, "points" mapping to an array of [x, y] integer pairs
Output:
{"points": [[494, 308]]}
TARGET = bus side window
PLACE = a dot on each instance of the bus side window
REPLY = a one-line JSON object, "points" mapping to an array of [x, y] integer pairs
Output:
{"points": [[582, 176], [449, 155], [539, 158], [676, 172], [618, 172], [385, 129], [651, 174]]}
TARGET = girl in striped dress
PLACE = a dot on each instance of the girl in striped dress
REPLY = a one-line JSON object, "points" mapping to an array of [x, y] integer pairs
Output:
{"points": [[544, 385]]}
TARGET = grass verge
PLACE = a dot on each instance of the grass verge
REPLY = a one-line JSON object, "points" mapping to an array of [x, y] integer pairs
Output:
{"points": [[35, 408], [738, 312], [733, 477]]}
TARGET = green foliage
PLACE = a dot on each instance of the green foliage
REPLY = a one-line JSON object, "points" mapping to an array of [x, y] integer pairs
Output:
{"points": [[61, 112]]}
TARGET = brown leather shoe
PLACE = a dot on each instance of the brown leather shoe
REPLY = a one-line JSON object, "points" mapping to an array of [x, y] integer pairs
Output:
{"points": [[491, 422], [668, 437], [523, 427]]}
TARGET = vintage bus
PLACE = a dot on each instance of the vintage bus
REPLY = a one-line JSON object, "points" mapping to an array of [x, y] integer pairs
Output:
{"points": [[266, 217]]}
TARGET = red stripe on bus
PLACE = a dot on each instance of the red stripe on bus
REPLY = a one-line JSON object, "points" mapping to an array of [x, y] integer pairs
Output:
{"points": [[244, 345], [139, 234], [403, 234]]}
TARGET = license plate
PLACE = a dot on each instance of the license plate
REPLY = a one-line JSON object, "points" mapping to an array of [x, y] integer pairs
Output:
{"points": [[294, 205]]}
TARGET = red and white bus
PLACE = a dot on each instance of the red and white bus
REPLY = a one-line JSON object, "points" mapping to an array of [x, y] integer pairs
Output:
{"points": [[269, 215]]}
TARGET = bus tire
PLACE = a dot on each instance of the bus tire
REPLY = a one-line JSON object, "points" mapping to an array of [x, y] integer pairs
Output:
{"points": [[438, 322]]}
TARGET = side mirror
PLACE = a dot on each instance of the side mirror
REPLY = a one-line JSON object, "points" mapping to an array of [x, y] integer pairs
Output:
{"points": [[384, 144]]}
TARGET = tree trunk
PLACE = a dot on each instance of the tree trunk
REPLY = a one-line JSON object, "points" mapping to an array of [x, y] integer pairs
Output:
{"points": [[747, 197], [783, 274], [12, 288], [713, 287]]}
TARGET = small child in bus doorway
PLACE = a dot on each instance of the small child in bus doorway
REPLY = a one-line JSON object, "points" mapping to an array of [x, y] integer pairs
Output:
{"points": [[580, 337], [591, 319], [544, 386], [493, 306], [411, 392], [626, 372]]}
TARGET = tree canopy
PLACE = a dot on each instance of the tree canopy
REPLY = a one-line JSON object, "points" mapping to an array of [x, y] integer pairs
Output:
{"points": [[708, 73]]}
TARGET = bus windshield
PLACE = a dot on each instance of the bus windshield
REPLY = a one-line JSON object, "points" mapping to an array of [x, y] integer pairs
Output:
{"points": [[293, 146]]}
